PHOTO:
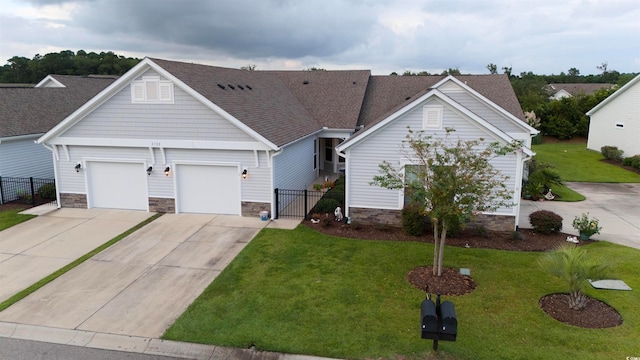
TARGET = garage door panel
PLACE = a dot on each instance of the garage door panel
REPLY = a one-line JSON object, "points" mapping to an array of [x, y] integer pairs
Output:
{"points": [[209, 189], [116, 185]]}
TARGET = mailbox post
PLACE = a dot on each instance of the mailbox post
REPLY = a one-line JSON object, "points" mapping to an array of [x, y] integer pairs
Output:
{"points": [[438, 320]]}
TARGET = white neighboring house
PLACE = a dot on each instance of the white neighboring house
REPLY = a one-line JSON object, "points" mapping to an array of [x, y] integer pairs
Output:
{"points": [[176, 137], [26, 113], [616, 120]]}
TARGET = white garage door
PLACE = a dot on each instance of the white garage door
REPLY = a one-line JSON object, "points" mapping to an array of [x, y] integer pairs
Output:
{"points": [[116, 185], [208, 189]]}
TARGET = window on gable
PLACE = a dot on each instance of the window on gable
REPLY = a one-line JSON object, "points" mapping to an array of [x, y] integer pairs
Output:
{"points": [[152, 90], [432, 117]]}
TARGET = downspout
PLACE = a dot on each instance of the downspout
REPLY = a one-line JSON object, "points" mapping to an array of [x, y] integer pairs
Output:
{"points": [[519, 187], [55, 172], [347, 163], [273, 193]]}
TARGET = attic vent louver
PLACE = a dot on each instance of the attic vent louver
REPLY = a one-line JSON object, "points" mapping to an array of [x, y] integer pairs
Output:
{"points": [[305, 82], [407, 98], [249, 87], [231, 86], [221, 86], [241, 87], [354, 83]]}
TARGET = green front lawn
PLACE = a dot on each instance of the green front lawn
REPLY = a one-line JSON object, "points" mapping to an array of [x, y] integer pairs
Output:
{"points": [[575, 163], [8, 218], [307, 293]]}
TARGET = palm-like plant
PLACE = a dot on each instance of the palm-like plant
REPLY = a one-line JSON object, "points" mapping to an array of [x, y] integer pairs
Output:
{"points": [[571, 264]]}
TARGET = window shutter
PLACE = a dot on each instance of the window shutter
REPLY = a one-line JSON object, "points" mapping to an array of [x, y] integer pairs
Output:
{"points": [[432, 117], [137, 92], [166, 92]]}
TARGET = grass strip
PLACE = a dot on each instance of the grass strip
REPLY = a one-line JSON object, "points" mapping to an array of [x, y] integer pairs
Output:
{"points": [[26, 292], [10, 218]]}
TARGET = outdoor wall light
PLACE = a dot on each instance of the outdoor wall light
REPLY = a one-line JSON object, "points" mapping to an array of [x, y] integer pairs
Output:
{"points": [[244, 173], [167, 171], [78, 167], [149, 170]]}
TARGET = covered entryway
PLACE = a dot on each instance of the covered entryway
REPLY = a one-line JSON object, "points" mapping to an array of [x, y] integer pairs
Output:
{"points": [[117, 185], [208, 189]]}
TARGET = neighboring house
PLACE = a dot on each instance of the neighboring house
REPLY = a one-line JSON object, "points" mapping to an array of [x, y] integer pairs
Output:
{"points": [[559, 91], [27, 112], [177, 137], [616, 120]]}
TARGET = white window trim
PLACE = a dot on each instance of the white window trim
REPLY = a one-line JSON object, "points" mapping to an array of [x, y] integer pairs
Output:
{"points": [[164, 90], [432, 117]]}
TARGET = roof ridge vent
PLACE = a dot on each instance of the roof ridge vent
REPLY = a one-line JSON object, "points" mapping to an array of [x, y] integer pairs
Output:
{"points": [[231, 86], [305, 82], [249, 87], [221, 86], [241, 87]]}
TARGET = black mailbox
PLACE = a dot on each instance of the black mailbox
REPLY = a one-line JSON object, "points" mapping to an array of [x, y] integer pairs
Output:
{"points": [[448, 321], [429, 320]]}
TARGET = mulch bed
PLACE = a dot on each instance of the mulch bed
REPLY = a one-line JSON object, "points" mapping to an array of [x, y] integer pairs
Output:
{"points": [[595, 316], [451, 282]]}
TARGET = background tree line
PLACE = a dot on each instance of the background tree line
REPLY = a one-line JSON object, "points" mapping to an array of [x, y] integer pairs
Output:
{"points": [[20, 69], [562, 118]]}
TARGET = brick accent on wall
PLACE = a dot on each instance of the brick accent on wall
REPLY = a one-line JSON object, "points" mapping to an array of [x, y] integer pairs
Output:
{"points": [[375, 216], [162, 205], [73, 200], [254, 208], [394, 218]]}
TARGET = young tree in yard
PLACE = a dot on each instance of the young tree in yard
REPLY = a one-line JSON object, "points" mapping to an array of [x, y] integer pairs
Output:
{"points": [[453, 179], [571, 264]]}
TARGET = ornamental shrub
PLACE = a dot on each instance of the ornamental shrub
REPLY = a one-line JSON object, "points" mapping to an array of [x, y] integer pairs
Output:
{"points": [[611, 153], [413, 219], [325, 205], [633, 161], [545, 222], [47, 191], [336, 194]]}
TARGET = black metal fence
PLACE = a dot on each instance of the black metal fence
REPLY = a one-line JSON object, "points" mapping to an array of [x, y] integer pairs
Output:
{"points": [[295, 203], [30, 191]]}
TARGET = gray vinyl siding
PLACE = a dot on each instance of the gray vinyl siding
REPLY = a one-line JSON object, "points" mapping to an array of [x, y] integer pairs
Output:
{"points": [[385, 144], [293, 168], [185, 119], [24, 158], [255, 188], [487, 113]]}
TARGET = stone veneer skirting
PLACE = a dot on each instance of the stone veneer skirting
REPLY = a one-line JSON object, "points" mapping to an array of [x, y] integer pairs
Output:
{"points": [[254, 208], [394, 218], [162, 205], [73, 200]]}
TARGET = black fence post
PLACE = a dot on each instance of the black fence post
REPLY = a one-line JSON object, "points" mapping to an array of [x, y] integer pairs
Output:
{"points": [[277, 204], [33, 193], [306, 204], [1, 192]]}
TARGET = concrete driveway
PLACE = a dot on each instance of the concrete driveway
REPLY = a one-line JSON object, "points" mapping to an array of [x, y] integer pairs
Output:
{"points": [[616, 206], [140, 285], [34, 249]]}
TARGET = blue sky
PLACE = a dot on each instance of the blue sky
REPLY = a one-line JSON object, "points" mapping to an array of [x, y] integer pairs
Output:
{"points": [[542, 36]]}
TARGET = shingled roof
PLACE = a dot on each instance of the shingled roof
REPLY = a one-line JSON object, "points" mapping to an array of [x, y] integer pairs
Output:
{"points": [[26, 111], [259, 99], [385, 94], [577, 88]]}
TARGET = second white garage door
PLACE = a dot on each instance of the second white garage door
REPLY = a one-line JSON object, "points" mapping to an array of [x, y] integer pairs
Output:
{"points": [[208, 189], [117, 185]]}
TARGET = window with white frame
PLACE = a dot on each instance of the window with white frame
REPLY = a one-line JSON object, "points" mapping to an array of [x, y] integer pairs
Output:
{"points": [[432, 117], [151, 89]]}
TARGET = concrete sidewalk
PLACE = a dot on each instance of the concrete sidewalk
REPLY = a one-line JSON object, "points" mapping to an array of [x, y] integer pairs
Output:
{"points": [[142, 345], [36, 248], [616, 206]]}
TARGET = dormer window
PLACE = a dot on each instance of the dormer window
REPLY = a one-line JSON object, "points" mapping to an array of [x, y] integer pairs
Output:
{"points": [[152, 90]]}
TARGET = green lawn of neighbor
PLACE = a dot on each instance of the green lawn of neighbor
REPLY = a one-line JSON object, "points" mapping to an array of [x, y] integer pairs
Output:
{"points": [[574, 162], [304, 292], [8, 218]]}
